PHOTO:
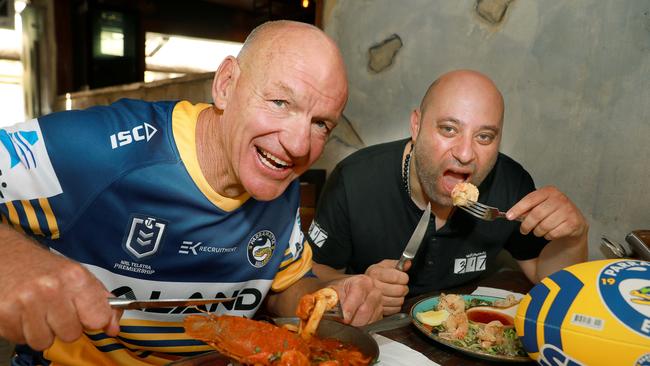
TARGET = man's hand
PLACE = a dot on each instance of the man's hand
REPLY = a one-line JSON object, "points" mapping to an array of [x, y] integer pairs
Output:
{"points": [[549, 213], [360, 299], [391, 282], [45, 296]]}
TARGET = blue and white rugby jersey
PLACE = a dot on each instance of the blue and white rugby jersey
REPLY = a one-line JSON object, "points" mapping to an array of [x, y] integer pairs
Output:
{"points": [[119, 189]]}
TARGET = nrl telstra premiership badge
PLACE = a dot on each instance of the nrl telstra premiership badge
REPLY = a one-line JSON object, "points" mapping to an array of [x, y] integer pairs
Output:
{"points": [[144, 236], [260, 248]]}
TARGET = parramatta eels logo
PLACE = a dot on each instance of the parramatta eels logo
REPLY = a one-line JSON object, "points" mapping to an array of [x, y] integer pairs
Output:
{"points": [[260, 248], [643, 293], [18, 146], [624, 287]]}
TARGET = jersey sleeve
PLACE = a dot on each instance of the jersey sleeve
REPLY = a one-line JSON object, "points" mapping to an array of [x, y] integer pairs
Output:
{"points": [[28, 180], [524, 247], [51, 168], [297, 261], [329, 233]]}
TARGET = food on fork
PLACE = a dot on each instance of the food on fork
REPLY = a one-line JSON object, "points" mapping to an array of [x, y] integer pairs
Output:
{"points": [[312, 307], [464, 192]]}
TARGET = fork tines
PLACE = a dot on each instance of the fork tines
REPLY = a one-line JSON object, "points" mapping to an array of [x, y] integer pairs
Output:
{"points": [[334, 313], [474, 208]]}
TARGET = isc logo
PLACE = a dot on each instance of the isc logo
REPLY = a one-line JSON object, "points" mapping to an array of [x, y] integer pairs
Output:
{"points": [[138, 133]]}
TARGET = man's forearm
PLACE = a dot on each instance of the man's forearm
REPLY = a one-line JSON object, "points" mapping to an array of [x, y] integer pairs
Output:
{"points": [[327, 273], [561, 253], [284, 303], [16, 247]]}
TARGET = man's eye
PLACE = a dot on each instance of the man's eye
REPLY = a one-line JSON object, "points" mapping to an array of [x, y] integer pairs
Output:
{"points": [[279, 102], [485, 138], [447, 130], [322, 125]]}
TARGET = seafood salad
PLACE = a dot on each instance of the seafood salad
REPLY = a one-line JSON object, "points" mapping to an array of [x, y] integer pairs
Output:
{"points": [[452, 324]]}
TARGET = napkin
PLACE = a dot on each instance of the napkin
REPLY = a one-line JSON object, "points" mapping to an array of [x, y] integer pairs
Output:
{"points": [[393, 353], [496, 292]]}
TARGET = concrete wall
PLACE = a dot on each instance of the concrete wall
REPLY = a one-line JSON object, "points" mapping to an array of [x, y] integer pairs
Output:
{"points": [[575, 76]]}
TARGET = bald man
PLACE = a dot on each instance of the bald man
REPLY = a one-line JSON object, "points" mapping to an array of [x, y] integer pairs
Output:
{"points": [[169, 200], [374, 198]]}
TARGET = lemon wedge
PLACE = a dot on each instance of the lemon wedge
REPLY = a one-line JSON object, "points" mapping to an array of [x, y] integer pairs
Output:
{"points": [[432, 317]]}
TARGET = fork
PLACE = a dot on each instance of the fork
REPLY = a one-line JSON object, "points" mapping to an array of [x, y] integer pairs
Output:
{"points": [[484, 212], [335, 313]]}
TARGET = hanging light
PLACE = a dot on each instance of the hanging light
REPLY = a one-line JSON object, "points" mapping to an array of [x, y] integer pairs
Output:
{"points": [[305, 3]]}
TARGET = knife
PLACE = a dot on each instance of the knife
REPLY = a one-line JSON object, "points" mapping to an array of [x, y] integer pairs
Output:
{"points": [[416, 238], [120, 303]]}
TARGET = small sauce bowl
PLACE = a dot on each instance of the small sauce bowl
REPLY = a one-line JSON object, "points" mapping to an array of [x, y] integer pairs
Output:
{"points": [[486, 314]]}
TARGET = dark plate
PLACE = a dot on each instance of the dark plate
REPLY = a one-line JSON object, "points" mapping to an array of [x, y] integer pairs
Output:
{"points": [[430, 303]]}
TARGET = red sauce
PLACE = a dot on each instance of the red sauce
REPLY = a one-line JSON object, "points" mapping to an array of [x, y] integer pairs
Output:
{"points": [[486, 316]]}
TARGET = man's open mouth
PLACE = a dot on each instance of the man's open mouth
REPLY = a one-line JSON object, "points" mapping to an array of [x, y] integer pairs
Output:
{"points": [[450, 178], [271, 160]]}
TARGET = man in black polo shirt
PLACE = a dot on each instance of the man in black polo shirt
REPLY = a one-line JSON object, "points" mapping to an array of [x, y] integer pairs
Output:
{"points": [[374, 198]]}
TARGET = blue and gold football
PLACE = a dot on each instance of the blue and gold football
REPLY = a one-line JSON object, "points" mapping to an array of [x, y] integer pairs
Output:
{"points": [[593, 313]]}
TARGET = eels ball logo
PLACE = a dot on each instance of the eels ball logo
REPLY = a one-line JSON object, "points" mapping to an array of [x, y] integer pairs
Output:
{"points": [[625, 289], [260, 248]]}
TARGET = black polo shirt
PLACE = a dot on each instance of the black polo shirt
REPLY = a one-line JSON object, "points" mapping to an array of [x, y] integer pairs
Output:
{"points": [[365, 215]]}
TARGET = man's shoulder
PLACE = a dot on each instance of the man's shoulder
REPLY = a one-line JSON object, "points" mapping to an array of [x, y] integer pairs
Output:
{"points": [[125, 107], [374, 154], [509, 165], [510, 179]]}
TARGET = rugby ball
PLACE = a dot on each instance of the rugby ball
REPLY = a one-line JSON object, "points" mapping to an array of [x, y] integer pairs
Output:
{"points": [[592, 313]]}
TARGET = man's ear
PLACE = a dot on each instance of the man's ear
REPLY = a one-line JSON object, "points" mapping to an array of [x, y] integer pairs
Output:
{"points": [[225, 79], [415, 124]]}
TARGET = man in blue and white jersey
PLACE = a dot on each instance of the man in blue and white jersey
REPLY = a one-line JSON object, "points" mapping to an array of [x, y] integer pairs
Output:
{"points": [[169, 200]]}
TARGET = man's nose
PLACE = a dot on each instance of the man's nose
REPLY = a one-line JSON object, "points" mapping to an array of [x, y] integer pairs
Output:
{"points": [[463, 151], [296, 138]]}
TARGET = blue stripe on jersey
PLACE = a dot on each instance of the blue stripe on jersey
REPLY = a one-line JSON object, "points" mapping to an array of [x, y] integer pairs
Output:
{"points": [[111, 347], [137, 329], [143, 354], [40, 216], [162, 343]]}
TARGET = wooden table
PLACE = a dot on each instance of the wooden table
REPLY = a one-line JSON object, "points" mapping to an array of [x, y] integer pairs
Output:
{"points": [[441, 354]]}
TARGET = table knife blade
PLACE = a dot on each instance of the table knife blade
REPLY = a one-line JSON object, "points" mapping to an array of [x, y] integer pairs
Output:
{"points": [[120, 303], [416, 238]]}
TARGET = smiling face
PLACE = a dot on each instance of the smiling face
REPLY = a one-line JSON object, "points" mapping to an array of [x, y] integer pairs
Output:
{"points": [[457, 133], [279, 104]]}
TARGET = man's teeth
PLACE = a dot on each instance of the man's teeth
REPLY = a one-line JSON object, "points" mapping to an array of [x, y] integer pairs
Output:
{"points": [[271, 161]]}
